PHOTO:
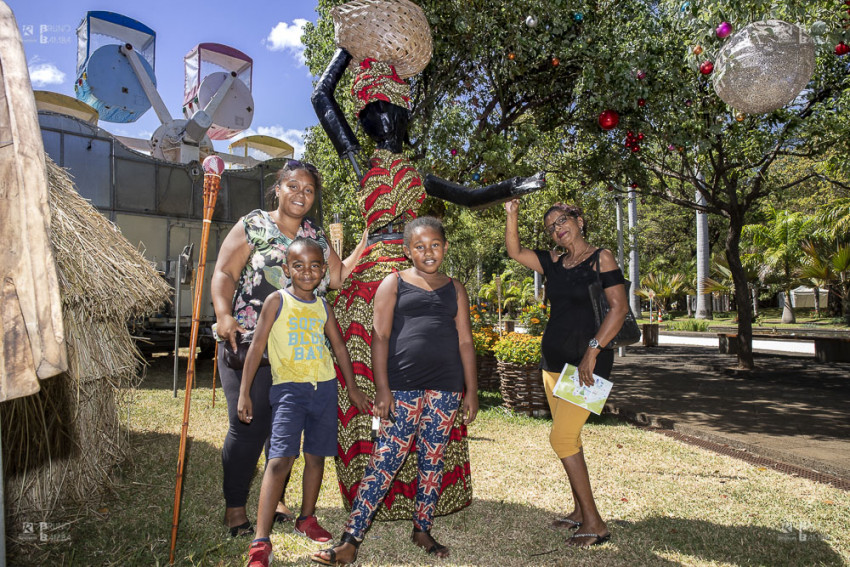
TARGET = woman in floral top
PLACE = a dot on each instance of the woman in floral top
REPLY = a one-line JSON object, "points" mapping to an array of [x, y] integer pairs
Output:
{"points": [[247, 270]]}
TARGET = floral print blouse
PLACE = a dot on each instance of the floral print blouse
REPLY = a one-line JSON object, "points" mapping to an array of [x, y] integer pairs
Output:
{"points": [[263, 272]]}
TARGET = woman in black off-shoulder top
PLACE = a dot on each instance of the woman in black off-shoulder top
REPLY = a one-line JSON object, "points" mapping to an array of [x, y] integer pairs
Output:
{"points": [[571, 337]]}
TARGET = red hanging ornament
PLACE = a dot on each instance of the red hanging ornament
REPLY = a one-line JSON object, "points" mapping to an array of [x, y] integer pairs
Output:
{"points": [[641, 102], [706, 68], [555, 62], [608, 119], [842, 48], [634, 185], [454, 152], [635, 148]]}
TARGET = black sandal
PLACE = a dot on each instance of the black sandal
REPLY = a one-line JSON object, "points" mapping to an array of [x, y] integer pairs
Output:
{"points": [[242, 530], [600, 539], [436, 549], [346, 538]]}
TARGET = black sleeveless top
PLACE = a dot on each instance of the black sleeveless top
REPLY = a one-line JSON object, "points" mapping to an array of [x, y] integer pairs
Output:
{"points": [[423, 350], [571, 321]]}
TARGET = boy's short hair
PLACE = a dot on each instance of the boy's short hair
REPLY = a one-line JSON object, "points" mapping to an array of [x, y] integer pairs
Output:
{"points": [[302, 241], [420, 222]]}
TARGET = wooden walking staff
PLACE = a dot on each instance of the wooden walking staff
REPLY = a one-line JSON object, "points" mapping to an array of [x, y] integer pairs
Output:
{"points": [[213, 166]]}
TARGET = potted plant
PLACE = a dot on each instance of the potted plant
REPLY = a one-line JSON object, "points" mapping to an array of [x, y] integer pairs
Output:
{"points": [[488, 376], [534, 317], [520, 380]]}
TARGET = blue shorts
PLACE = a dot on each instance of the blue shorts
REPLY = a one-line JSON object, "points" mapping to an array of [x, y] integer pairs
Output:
{"points": [[297, 408]]}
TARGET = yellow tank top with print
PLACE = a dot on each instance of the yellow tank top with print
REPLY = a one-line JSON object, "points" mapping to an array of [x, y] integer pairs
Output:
{"points": [[297, 348]]}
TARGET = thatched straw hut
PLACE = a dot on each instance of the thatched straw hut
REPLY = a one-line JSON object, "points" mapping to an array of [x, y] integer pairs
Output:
{"points": [[60, 444]]}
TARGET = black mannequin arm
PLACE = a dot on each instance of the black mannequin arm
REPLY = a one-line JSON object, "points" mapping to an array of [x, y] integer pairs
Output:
{"points": [[327, 109], [483, 196]]}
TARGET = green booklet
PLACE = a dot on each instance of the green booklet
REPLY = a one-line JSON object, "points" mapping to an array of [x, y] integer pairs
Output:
{"points": [[592, 398]]}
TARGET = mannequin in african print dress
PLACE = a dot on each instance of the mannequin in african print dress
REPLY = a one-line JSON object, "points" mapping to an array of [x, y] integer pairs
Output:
{"points": [[391, 192]]}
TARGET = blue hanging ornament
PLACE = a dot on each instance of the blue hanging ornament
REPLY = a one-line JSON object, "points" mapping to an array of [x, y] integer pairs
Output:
{"points": [[578, 16], [476, 176]]}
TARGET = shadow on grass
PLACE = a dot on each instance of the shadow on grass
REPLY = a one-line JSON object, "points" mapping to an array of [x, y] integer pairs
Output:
{"points": [[133, 525], [134, 528]]}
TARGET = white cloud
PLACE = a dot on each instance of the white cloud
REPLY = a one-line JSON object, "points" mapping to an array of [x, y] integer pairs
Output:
{"points": [[287, 37], [43, 74]]}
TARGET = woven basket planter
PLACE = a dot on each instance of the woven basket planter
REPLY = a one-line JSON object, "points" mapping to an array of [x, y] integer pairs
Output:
{"points": [[522, 389], [488, 373]]}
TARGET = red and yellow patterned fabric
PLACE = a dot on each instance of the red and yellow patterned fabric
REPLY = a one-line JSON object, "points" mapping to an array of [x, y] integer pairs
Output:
{"points": [[391, 189], [375, 81]]}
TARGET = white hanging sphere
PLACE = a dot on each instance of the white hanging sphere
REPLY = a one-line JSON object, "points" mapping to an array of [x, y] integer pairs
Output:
{"points": [[764, 66], [531, 21]]}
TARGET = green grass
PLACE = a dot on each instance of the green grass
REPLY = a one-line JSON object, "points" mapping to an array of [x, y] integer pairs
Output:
{"points": [[666, 503], [768, 318]]}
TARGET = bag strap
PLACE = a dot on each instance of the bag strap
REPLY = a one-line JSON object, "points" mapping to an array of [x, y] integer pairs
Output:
{"points": [[598, 266]]}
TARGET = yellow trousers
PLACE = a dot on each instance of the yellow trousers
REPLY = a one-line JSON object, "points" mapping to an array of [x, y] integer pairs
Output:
{"points": [[567, 420]]}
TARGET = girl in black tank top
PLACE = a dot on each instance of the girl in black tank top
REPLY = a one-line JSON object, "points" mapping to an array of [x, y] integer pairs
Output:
{"points": [[423, 363]]}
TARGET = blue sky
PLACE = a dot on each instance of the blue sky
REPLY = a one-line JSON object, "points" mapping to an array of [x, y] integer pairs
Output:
{"points": [[268, 31]]}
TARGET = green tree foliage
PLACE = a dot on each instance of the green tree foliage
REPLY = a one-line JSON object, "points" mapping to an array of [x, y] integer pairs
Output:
{"points": [[779, 244], [511, 99]]}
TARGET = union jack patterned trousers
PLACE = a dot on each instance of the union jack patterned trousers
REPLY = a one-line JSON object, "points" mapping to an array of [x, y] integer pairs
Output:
{"points": [[423, 416]]}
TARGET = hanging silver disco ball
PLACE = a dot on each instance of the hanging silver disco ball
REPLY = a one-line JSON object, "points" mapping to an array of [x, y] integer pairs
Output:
{"points": [[764, 66]]}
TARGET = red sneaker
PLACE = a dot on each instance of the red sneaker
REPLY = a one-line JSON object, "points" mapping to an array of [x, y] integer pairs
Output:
{"points": [[310, 527], [260, 554]]}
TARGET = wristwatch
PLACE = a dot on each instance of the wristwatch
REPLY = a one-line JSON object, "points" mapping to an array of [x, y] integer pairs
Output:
{"points": [[594, 344]]}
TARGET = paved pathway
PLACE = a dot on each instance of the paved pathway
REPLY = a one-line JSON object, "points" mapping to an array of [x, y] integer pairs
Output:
{"points": [[790, 408]]}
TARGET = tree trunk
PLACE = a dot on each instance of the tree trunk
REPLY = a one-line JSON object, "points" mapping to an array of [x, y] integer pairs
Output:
{"points": [[704, 310], [745, 316], [787, 310], [817, 302], [755, 293]]}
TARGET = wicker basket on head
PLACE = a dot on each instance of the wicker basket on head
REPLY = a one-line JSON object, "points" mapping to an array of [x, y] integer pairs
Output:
{"points": [[392, 31]]}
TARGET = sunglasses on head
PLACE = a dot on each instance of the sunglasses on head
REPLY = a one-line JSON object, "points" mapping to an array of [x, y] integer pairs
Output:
{"points": [[295, 164]]}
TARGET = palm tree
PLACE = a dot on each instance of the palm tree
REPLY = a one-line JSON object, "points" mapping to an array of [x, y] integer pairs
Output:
{"points": [[778, 244], [833, 220], [723, 283], [816, 271], [841, 267], [661, 287]]}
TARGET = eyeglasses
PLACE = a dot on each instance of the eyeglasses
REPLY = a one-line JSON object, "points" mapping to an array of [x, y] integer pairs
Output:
{"points": [[550, 230]]}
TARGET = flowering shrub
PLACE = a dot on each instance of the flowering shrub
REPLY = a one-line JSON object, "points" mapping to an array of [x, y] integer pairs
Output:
{"points": [[534, 318], [482, 317], [518, 348], [484, 339]]}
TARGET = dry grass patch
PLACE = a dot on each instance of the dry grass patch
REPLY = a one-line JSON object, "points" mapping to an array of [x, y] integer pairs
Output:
{"points": [[666, 503]]}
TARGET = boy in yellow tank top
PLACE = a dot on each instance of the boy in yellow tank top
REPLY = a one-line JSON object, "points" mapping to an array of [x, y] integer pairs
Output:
{"points": [[293, 325]]}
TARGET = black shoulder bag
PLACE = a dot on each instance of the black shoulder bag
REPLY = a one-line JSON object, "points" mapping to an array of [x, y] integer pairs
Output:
{"points": [[629, 333], [236, 360]]}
